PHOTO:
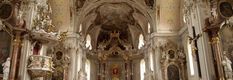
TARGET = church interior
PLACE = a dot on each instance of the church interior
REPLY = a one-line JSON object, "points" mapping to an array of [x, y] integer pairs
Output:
{"points": [[116, 39]]}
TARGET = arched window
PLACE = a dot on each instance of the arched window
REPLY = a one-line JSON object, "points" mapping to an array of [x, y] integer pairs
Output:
{"points": [[88, 42], [191, 66], [149, 27], [88, 69], [141, 41], [80, 28], [151, 61], [142, 69]]}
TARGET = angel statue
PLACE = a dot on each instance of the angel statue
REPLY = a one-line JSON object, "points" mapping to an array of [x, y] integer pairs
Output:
{"points": [[227, 66]]}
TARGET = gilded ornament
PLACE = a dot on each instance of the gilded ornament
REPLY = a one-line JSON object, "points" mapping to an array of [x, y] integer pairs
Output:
{"points": [[63, 36]]}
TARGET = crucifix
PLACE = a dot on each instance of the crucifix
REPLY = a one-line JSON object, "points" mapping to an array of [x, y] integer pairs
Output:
{"points": [[193, 41]]}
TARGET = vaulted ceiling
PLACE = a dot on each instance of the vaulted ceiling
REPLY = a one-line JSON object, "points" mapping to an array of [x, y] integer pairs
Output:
{"points": [[129, 20], [110, 17]]}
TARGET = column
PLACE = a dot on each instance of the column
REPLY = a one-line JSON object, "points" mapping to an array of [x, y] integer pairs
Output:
{"points": [[158, 69], [79, 55], [71, 44], [82, 73], [148, 73], [217, 52], [15, 53], [127, 76], [211, 27], [26, 50], [149, 54]]}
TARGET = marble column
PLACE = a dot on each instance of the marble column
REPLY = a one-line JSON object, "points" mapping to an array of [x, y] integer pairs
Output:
{"points": [[215, 44], [15, 52], [148, 73], [71, 44], [79, 61], [212, 27], [81, 73]]}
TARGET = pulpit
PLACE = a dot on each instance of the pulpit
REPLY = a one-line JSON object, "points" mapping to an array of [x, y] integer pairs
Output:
{"points": [[40, 66]]}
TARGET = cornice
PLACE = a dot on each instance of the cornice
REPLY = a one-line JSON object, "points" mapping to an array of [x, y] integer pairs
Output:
{"points": [[175, 34]]}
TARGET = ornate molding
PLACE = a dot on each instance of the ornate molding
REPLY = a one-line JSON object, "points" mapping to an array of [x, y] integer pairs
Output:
{"points": [[173, 57]]}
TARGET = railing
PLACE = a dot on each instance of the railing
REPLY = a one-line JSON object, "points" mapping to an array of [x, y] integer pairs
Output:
{"points": [[40, 66]]}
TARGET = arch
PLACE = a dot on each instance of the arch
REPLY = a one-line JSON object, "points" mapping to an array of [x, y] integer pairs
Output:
{"points": [[140, 41], [142, 69], [37, 46], [90, 7]]}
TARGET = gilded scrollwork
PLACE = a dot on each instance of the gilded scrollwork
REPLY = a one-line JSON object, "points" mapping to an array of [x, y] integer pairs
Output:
{"points": [[42, 21]]}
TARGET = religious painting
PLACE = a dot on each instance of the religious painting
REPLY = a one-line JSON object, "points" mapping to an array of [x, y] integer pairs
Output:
{"points": [[115, 72], [225, 9], [173, 73], [171, 54], [5, 47], [6, 10]]}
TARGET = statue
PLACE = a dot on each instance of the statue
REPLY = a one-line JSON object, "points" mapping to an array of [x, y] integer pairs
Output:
{"points": [[227, 66], [6, 69]]}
